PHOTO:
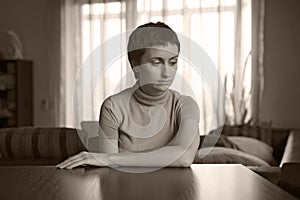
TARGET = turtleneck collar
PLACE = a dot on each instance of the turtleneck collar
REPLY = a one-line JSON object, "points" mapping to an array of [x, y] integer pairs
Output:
{"points": [[150, 100]]}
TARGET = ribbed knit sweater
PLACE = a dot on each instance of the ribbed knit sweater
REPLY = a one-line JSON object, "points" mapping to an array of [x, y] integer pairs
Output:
{"points": [[141, 122]]}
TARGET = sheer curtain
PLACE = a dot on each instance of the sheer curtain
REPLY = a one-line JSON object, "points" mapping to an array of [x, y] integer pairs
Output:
{"points": [[222, 28]]}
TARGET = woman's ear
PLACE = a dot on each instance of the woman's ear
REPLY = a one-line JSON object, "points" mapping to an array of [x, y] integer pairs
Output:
{"points": [[134, 63], [136, 72], [135, 68]]}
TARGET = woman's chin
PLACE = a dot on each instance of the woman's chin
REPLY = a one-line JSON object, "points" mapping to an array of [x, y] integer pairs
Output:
{"points": [[155, 89], [161, 88]]}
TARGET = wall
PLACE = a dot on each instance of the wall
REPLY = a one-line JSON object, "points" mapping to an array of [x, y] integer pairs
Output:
{"points": [[281, 101], [37, 24]]}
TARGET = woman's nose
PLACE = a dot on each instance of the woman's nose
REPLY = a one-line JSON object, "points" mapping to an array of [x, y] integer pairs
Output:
{"points": [[166, 71]]}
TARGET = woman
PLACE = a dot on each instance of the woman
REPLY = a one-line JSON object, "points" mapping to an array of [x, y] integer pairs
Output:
{"points": [[147, 125]]}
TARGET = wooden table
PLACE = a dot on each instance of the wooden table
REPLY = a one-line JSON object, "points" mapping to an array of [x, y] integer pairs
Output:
{"points": [[198, 182]]}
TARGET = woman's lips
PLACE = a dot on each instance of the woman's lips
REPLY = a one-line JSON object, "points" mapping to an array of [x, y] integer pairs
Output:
{"points": [[164, 82]]}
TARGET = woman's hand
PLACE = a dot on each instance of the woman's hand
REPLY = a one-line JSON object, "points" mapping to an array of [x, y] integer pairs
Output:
{"points": [[85, 158]]}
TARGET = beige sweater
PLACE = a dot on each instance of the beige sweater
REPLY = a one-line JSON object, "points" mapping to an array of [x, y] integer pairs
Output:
{"points": [[141, 122]]}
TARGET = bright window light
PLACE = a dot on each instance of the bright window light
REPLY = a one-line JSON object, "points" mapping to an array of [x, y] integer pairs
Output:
{"points": [[209, 23]]}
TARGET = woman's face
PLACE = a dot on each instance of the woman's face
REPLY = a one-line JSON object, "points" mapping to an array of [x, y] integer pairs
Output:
{"points": [[157, 68]]}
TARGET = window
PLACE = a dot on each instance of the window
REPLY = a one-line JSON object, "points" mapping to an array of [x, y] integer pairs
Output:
{"points": [[221, 27]]}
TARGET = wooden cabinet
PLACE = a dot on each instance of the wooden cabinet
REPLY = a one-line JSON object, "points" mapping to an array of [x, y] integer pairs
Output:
{"points": [[16, 103]]}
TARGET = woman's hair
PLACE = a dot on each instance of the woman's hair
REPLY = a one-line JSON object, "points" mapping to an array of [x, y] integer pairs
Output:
{"points": [[147, 36]]}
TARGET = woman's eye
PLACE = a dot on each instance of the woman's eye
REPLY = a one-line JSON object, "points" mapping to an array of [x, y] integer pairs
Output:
{"points": [[155, 62], [172, 63]]}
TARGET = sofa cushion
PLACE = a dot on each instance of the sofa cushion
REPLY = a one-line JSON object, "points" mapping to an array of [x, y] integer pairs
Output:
{"points": [[263, 133], [255, 147], [33, 142], [222, 155], [217, 141]]}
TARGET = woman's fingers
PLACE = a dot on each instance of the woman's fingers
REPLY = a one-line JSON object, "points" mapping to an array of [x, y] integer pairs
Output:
{"points": [[68, 160], [88, 159], [84, 158], [71, 159], [78, 162]]}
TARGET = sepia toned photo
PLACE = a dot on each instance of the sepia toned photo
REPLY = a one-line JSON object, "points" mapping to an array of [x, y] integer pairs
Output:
{"points": [[149, 99]]}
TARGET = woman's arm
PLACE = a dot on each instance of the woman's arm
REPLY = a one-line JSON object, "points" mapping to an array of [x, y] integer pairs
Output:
{"points": [[179, 153]]}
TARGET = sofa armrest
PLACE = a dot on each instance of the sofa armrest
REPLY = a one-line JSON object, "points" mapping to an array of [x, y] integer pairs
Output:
{"points": [[29, 161], [279, 140], [292, 148], [40, 142]]}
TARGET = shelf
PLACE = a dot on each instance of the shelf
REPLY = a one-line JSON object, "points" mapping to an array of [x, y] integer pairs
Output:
{"points": [[16, 93]]}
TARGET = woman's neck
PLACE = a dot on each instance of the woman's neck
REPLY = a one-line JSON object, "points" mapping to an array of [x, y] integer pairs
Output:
{"points": [[150, 99]]}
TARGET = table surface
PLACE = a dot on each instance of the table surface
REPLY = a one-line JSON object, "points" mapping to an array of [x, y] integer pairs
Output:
{"points": [[197, 182]]}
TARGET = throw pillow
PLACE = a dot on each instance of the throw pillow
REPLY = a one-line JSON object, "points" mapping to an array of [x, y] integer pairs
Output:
{"points": [[260, 132], [222, 155], [216, 140], [254, 147]]}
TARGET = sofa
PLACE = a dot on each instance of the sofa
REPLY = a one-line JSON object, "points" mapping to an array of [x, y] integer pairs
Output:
{"points": [[228, 144], [264, 150], [39, 146]]}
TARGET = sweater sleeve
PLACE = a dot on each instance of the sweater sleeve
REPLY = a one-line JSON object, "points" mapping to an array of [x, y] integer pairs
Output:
{"points": [[188, 109], [109, 126]]}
